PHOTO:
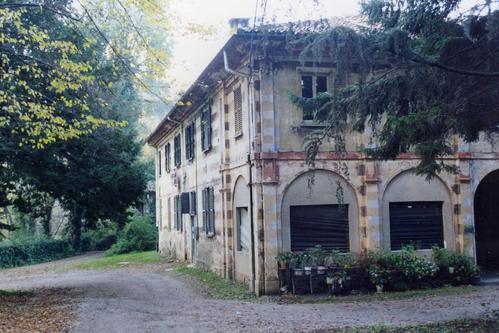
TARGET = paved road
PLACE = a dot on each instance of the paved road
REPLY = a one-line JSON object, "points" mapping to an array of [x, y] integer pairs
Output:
{"points": [[154, 299]]}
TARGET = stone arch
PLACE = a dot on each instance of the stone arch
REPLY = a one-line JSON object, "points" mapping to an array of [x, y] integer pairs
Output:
{"points": [[314, 188], [486, 201], [241, 230], [406, 186]]}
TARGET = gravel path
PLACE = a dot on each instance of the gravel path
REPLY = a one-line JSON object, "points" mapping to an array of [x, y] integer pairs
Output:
{"points": [[153, 299]]}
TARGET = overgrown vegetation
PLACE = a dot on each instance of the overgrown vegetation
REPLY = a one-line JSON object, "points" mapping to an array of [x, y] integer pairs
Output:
{"points": [[416, 74], [390, 271], [33, 251], [216, 286], [139, 234], [121, 260]]}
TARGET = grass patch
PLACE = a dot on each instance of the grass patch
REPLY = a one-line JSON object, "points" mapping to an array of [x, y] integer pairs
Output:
{"points": [[121, 260], [376, 297], [15, 293], [215, 286], [485, 325]]}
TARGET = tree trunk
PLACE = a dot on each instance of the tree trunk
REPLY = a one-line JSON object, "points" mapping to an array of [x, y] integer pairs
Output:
{"points": [[47, 218], [76, 223]]}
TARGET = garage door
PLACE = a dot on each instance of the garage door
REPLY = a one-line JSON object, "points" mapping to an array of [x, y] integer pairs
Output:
{"points": [[325, 225], [416, 223]]}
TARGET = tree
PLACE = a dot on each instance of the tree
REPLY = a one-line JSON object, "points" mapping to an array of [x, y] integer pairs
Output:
{"points": [[426, 71]]}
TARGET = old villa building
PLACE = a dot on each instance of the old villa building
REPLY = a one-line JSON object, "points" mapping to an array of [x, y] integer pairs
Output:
{"points": [[233, 189]]}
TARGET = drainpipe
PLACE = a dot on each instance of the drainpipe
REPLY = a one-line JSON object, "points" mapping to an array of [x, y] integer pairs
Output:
{"points": [[250, 165]]}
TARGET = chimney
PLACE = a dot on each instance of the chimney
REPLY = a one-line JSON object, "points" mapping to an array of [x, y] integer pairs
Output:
{"points": [[238, 23]]}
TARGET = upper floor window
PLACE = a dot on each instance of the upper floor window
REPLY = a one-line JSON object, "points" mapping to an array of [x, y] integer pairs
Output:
{"points": [[177, 150], [167, 157], [189, 141], [238, 112], [206, 129], [311, 86], [159, 162]]}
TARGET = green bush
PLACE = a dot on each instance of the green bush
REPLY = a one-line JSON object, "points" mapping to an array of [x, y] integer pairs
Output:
{"points": [[35, 251], [137, 235], [99, 239], [454, 268]]}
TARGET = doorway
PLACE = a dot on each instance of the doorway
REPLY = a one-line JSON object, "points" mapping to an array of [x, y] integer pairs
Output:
{"points": [[486, 206]]}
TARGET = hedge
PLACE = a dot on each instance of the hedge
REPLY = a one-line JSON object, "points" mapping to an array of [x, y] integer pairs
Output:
{"points": [[38, 251]]}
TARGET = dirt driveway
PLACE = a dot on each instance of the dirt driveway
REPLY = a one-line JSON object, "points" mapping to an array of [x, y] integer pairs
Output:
{"points": [[152, 298]]}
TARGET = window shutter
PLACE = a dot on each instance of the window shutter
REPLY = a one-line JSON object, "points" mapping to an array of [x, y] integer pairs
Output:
{"points": [[192, 204], [193, 139], [159, 162], [204, 210], [238, 116], [212, 210], [208, 128], [167, 157]]}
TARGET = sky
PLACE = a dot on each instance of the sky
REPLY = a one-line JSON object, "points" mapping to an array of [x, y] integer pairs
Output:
{"points": [[191, 53]]}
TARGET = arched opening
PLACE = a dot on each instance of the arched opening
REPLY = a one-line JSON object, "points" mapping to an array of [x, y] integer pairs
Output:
{"points": [[417, 212], [486, 208], [320, 208]]}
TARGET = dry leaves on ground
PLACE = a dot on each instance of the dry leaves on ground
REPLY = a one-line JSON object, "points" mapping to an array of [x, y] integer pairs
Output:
{"points": [[44, 310]]}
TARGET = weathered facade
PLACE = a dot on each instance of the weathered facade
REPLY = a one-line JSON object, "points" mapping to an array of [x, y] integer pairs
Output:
{"points": [[233, 189]]}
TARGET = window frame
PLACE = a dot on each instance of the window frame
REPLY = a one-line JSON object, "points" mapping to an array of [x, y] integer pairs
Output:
{"points": [[238, 112], [177, 150], [208, 208], [167, 157], [206, 129], [190, 141]]}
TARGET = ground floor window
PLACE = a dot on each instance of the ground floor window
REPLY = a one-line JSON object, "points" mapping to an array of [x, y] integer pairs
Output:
{"points": [[243, 229], [325, 225], [416, 223]]}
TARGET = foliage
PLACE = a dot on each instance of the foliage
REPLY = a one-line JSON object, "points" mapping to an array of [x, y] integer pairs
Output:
{"points": [[33, 251], [417, 74], [216, 286], [100, 238], [138, 235], [121, 260], [462, 266]]}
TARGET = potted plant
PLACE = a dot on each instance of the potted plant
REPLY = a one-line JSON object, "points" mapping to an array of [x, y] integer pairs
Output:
{"points": [[319, 258], [296, 260], [308, 263], [283, 260]]}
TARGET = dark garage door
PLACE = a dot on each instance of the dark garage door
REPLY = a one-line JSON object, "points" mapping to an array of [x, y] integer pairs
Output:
{"points": [[416, 223], [325, 225]]}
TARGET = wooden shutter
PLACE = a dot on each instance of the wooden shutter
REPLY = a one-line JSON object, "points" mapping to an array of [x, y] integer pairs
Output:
{"points": [[192, 204], [204, 207], [238, 112], [167, 157], [159, 162], [211, 204], [177, 150], [206, 129]]}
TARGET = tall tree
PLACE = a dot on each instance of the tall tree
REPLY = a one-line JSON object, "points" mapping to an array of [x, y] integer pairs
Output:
{"points": [[426, 69]]}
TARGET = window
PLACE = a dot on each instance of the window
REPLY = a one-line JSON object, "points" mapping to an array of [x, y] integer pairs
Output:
{"points": [[169, 213], [189, 141], [167, 157], [311, 86], [206, 129], [159, 162], [177, 151], [238, 112], [243, 229], [177, 210], [192, 203], [208, 204], [416, 223]]}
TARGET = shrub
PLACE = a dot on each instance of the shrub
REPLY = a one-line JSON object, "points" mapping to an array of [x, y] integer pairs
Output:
{"points": [[454, 268], [137, 235], [101, 238], [32, 252]]}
